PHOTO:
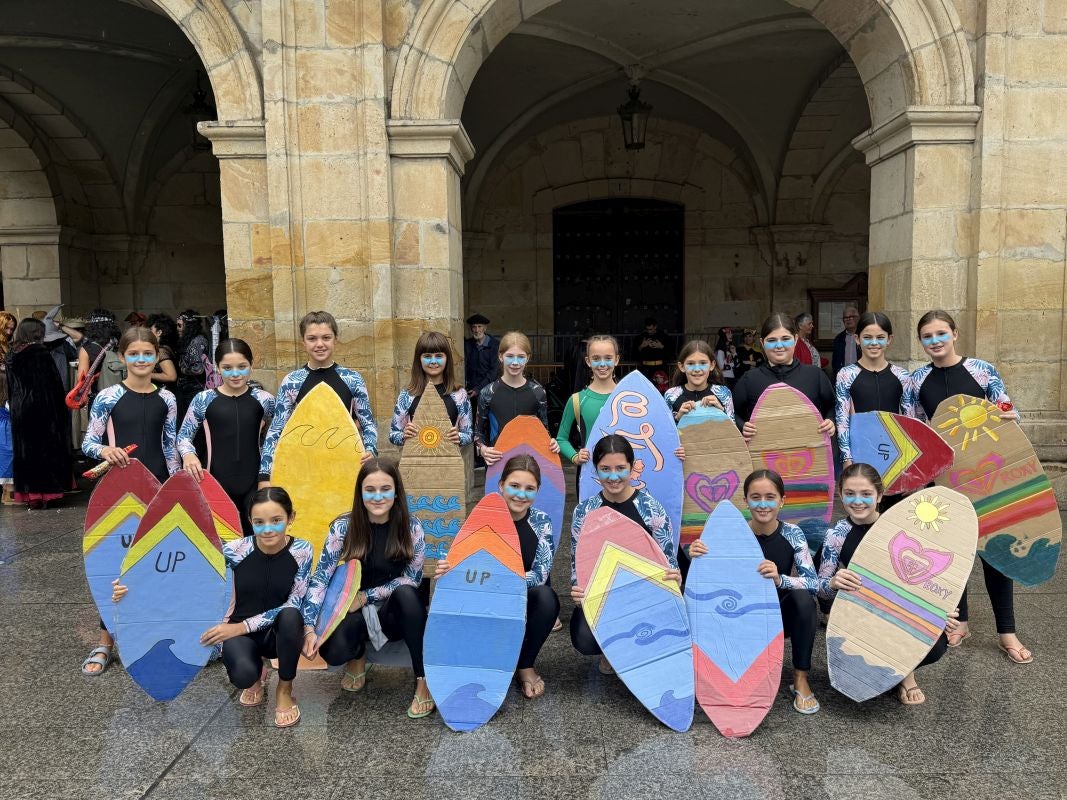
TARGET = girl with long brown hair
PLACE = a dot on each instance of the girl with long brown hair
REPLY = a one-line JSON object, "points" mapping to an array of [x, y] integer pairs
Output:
{"points": [[433, 366], [389, 543]]}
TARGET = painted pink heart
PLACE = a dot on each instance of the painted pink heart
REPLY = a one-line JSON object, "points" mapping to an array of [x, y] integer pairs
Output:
{"points": [[913, 563], [791, 463], [706, 492], [979, 480]]}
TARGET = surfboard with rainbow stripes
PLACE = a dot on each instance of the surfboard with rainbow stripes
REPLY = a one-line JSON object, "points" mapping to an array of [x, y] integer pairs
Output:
{"points": [[1019, 527], [115, 510], [477, 618], [178, 588], [914, 563], [788, 441], [637, 616], [341, 591]]}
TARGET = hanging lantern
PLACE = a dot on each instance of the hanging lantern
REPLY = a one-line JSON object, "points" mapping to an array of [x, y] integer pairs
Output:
{"points": [[634, 116]]}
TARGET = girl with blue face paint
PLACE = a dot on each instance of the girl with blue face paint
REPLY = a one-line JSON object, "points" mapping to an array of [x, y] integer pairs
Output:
{"points": [[270, 578], [613, 460], [861, 490], [432, 369], [698, 383], [583, 407], [229, 420], [787, 562], [390, 546], [949, 374]]}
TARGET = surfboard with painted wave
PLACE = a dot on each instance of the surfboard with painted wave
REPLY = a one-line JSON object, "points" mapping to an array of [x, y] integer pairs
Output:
{"points": [[178, 588], [907, 453], [736, 621], [716, 464], [994, 464], [317, 460], [434, 476], [477, 619], [116, 507], [914, 563], [636, 411], [223, 511], [789, 442], [638, 617], [526, 436]]}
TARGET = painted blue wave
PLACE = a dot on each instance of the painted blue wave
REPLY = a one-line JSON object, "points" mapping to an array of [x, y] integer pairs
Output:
{"points": [[1036, 567], [728, 607], [465, 709], [644, 633], [161, 673], [853, 676], [440, 527], [674, 712], [436, 504]]}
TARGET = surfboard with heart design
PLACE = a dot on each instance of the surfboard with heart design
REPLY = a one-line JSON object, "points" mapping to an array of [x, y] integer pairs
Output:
{"points": [[914, 563], [716, 464]]}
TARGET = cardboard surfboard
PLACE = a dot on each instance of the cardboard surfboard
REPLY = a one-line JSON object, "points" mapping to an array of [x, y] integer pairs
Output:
{"points": [[434, 477], [995, 466], [317, 460], [737, 626], [178, 588], [477, 619], [340, 593], [636, 411], [907, 453], [223, 511], [716, 464], [914, 563], [526, 436], [115, 509], [638, 617], [788, 441]]}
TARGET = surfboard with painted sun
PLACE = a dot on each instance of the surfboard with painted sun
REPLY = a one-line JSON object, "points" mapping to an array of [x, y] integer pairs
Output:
{"points": [[434, 478], [995, 467], [914, 563]]}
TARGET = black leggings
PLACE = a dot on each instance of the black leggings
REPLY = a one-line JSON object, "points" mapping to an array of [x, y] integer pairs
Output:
{"points": [[403, 617], [241, 501], [243, 655], [582, 635], [799, 621], [1001, 597], [542, 608]]}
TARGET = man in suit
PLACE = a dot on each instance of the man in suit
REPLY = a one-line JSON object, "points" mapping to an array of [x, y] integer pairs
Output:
{"points": [[845, 350], [479, 355]]}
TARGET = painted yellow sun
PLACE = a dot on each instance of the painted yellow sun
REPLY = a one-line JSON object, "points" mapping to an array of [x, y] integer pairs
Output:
{"points": [[929, 512], [429, 437], [972, 416]]}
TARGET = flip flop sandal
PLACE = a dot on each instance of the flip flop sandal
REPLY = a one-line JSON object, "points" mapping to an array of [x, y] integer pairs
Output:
{"points": [[797, 697], [558, 626], [423, 707], [102, 656], [262, 682], [278, 712], [605, 667], [361, 676], [1016, 653], [956, 639], [904, 696], [537, 687]]}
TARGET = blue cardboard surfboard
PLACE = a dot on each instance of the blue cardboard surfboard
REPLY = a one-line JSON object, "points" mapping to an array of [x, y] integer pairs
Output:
{"points": [[178, 588], [737, 626], [477, 619], [636, 411]]}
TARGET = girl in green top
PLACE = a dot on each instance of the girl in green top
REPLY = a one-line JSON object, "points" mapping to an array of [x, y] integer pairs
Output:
{"points": [[602, 356]]}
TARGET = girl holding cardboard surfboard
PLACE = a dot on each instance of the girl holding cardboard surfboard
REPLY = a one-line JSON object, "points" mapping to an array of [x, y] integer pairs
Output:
{"points": [[779, 338], [509, 396], [698, 381], [432, 366], [787, 562], [950, 374], [390, 546], [318, 331], [233, 417], [270, 577], [582, 409], [133, 412], [519, 483], [613, 460]]}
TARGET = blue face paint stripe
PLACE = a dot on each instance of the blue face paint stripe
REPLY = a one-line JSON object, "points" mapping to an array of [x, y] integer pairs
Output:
{"points": [[930, 340], [379, 495], [865, 500]]}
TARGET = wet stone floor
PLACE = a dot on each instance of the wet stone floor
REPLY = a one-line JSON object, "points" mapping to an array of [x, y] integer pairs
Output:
{"points": [[989, 728]]}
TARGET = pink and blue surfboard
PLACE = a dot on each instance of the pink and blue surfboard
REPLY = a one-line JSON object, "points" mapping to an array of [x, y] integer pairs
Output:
{"points": [[477, 619], [115, 510], [178, 588], [526, 436], [340, 592], [638, 618], [636, 411], [737, 626]]}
